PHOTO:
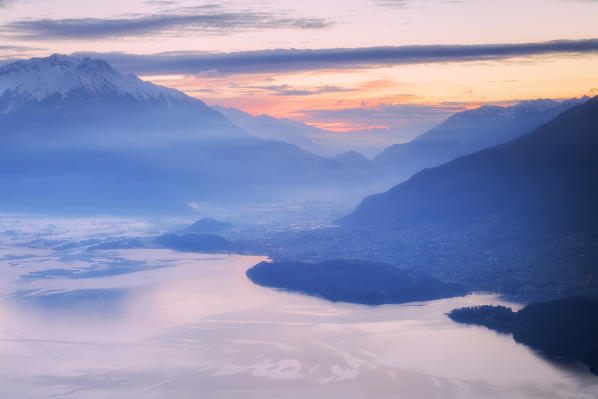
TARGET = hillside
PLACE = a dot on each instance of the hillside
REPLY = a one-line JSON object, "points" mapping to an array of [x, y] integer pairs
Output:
{"points": [[548, 177]]}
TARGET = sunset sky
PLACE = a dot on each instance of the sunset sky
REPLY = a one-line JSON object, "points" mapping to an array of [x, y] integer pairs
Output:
{"points": [[342, 65]]}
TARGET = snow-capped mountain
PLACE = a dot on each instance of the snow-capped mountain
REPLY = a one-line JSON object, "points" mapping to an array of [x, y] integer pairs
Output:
{"points": [[77, 134], [40, 78], [546, 179], [469, 131], [87, 97], [542, 109]]}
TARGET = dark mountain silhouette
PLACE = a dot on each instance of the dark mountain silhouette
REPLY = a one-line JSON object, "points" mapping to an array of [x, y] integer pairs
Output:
{"points": [[467, 132], [519, 218], [548, 177]]}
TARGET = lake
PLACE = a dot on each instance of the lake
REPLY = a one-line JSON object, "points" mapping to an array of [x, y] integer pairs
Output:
{"points": [[153, 323]]}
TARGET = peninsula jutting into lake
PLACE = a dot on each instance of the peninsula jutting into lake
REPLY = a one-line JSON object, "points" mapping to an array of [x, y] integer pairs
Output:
{"points": [[354, 281], [565, 329]]}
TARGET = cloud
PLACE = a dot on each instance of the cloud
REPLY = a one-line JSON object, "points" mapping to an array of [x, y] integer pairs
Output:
{"points": [[290, 60], [207, 19], [372, 128], [393, 3], [160, 2], [399, 122], [16, 48], [288, 90], [9, 52], [410, 3], [390, 115]]}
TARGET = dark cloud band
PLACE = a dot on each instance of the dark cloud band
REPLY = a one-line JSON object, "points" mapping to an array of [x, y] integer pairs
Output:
{"points": [[267, 61], [205, 19]]}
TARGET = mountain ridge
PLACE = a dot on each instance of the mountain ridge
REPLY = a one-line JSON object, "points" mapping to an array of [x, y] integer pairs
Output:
{"points": [[508, 177], [96, 140]]}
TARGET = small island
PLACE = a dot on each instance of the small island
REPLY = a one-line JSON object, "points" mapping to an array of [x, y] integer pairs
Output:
{"points": [[195, 242], [354, 281], [564, 329]]}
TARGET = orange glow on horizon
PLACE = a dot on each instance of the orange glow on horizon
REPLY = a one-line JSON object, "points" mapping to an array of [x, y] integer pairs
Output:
{"points": [[444, 85]]}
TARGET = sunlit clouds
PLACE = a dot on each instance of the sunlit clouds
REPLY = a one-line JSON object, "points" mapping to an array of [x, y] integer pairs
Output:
{"points": [[425, 94], [400, 65]]}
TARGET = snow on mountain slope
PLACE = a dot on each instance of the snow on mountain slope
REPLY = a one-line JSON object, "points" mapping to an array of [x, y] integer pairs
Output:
{"points": [[40, 78], [75, 134], [66, 99], [543, 107]]}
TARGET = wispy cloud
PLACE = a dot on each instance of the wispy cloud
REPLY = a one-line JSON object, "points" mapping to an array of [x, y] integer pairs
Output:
{"points": [[378, 125], [390, 115], [410, 3], [288, 90], [207, 19], [160, 2], [9, 52], [393, 3], [289, 60], [15, 48]]}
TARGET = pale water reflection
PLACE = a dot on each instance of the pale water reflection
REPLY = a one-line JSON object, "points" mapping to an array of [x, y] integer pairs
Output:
{"points": [[158, 323]]}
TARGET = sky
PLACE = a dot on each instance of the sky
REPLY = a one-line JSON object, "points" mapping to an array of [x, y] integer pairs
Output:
{"points": [[402, 65]]}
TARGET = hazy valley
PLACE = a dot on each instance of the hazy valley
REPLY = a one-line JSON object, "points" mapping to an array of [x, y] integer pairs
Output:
{"points": [[152, 245]]}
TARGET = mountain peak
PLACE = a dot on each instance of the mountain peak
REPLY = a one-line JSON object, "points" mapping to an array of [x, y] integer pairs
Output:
{"points": [[549, 174], [538, 105], [56, 59], [40, 78], [351, 157]]}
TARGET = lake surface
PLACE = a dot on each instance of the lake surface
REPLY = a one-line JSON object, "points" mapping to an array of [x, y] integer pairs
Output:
{"points": [[158, 323]]}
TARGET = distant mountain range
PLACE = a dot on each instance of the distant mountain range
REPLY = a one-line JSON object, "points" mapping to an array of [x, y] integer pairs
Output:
{"points": [[319, 141], [467, 132], [78, 136], [462, 134], [270, 128]]}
